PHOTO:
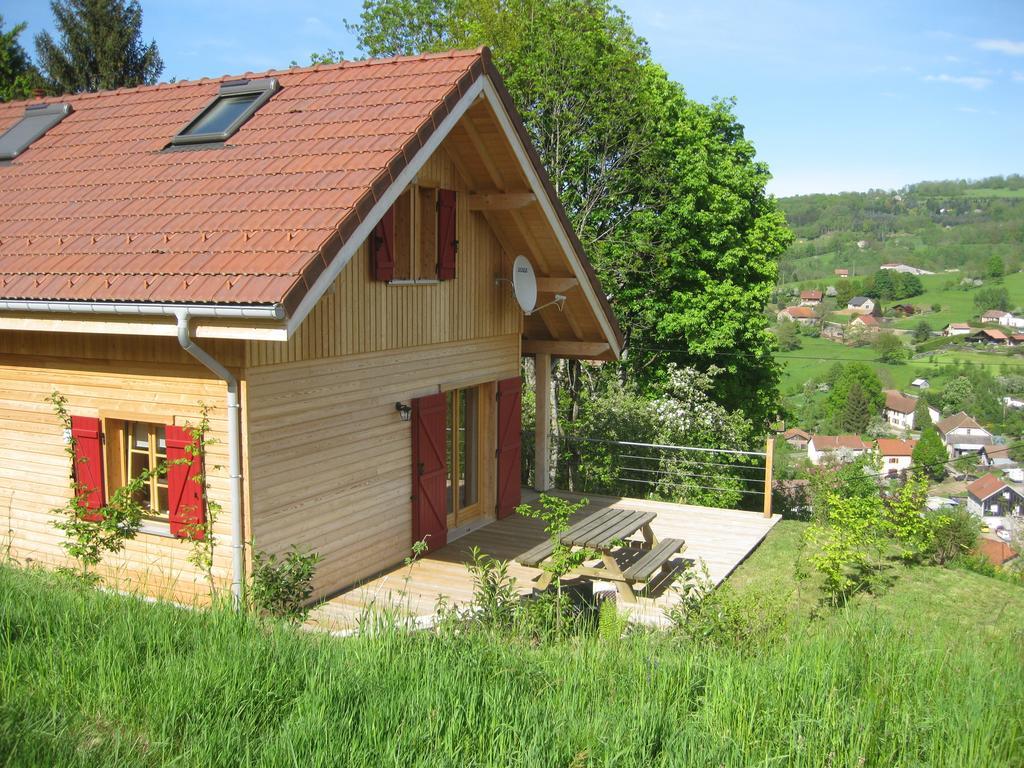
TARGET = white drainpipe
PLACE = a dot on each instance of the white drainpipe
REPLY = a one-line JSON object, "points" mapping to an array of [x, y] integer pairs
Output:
{"points": [[234, 449], [183, 314]]}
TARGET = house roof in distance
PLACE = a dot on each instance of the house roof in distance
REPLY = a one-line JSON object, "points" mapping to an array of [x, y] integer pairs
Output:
{"points": [[811, 295], [957, 421], [992, 333], [839, 442], [866, 320], [994, 314], [890, 446], [897, 401], [102, 209], [803, 313], [858, 301], [986, 486], [795, 432]]}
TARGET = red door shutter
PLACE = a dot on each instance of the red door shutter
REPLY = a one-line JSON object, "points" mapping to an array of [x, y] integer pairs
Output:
{"points": [[187, 512], [382, 245], [87, 470], [429, 471], [510, 407], [447, 243]]}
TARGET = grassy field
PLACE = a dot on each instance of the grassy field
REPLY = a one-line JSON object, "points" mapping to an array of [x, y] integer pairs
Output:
{"points": [[914, 677], [816, 356], [957, 305]]}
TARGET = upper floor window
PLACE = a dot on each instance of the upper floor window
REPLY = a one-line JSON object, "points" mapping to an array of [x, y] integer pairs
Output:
{"points": [[415, 241], [235, 103], [37, 120]]}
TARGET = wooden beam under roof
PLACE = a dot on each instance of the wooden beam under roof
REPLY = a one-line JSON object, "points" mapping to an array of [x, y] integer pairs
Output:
{"points": [[501, 201], [556, 284], [587, 349]]}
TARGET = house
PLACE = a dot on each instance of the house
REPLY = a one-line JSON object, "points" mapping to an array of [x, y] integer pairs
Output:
{"points": [[796, 437], [841, 448], [896, 455], [899, 410], [861, 304], [905, 310], [920, 383], [1017, 339], [956, 329], [988, 336], [320, 272], [841, 272], [810, 298], [997, 455], [802, 315], [995, 550], [865, 323], [994, 316], [1012, 402], [962, 435], [905, 268], [988, 496], [1011, 321]]}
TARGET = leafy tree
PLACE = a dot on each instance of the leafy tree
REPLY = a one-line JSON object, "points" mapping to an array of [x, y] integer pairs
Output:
{"points": [[922, 332], [993, 297], [890, 349], [922, 417], [857, 411], [870, 385], [665, 192], [958, 395], [18, 77], [788, 336], [995, 268], [100, 47], [929, 455]]}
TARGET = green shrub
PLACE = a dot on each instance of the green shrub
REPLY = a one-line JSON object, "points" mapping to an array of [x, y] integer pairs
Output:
{"points": [[281, 586], [982, 565], [954, 533]]}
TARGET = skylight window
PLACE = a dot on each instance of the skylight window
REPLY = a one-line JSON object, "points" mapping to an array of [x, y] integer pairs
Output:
{"points": [[38, 119], [236, 102]]}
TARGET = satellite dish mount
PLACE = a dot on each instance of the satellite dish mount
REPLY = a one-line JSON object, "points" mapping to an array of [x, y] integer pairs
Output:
{"points": [[524, 287]]}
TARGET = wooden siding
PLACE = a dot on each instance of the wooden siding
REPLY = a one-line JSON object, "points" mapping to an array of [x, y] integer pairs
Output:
{"points": [[360, 315], [35, 470], [331, 460]]}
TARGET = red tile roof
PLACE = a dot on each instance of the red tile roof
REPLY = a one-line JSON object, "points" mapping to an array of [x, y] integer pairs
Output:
{"points": [[956, 421], [795, 432], [814, 295], [897, 401], [800, 312], [889, 446], [985, 486], [98, 210], [866, 320], [839, 442], [997, 551]]}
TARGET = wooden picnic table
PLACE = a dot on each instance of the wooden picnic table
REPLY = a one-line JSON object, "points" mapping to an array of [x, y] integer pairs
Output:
{"points": [[603, 532]]}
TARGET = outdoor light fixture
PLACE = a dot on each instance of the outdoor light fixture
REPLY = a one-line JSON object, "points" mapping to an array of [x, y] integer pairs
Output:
{"points": [[404, 411]]}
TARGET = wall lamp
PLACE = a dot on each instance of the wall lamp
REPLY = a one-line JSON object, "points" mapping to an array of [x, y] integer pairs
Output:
{"points": [[404, 411]]}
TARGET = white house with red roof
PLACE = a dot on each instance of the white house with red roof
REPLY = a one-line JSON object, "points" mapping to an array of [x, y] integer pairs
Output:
{"points": [[840, 448], [896, 455], [962, 435]]}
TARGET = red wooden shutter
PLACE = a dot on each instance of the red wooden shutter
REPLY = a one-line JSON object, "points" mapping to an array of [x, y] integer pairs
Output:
{"points": [[382, 245], [429, 471], [87, 470], [447, 243], [510, 447], [184, 485]]}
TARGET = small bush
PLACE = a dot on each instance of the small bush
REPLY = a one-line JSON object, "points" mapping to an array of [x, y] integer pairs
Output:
{"points": [[281, 586], [954, 534], [982, 565]]}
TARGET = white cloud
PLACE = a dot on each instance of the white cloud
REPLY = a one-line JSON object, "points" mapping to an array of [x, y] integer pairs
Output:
{"points": [[968, 110], [977, 83], [1009, 47]]}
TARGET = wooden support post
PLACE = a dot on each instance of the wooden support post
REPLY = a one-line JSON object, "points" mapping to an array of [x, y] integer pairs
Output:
{"points": [[769, 454], [542, 432]]}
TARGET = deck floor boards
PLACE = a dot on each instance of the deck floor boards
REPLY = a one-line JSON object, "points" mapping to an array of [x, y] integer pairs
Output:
{"points": [[721, 538]]}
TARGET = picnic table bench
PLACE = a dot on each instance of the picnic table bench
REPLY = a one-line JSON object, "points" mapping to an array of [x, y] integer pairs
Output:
{"points": [[602, 532]]}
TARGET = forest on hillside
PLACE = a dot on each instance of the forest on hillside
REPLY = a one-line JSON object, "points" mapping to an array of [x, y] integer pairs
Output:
{"points": [[933, 225]]}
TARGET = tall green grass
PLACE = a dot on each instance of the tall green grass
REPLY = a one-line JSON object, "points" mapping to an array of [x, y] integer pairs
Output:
{"points": [[95, 679]]}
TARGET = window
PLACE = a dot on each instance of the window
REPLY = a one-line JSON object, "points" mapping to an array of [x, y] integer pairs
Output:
{"points": [[415, 241], [38, 119], [132, 447], [462, 446], [236, 102]]}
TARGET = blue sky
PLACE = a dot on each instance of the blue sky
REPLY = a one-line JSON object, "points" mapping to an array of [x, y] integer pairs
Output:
{"points": [[835, 95]]}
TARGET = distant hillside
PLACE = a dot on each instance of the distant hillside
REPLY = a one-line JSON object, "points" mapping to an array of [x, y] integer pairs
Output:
{"points": [[933, 225]]}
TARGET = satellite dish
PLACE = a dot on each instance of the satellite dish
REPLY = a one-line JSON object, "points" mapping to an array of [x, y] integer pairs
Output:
{"points": [[524, 284]]}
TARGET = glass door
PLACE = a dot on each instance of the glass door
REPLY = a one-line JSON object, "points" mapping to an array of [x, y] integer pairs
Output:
{"points": [[463, 448]]}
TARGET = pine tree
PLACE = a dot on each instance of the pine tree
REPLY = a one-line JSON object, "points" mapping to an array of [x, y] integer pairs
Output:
{"points": [[922, 418], [17, 75], [857, 412], [930, 454], [100, 47]]}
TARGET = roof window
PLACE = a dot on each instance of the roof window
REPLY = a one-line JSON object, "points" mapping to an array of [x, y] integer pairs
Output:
{"points": [[38, 119], [236, 102]]}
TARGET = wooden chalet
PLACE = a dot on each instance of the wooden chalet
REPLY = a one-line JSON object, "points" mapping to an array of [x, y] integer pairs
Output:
{"points": [[321, 256]]}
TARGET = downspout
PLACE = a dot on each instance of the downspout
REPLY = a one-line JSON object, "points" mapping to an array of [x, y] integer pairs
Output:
{"points": [[234, 448]]}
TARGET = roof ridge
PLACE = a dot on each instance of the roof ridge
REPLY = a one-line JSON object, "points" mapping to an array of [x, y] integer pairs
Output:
{"points": [[454, 53]]}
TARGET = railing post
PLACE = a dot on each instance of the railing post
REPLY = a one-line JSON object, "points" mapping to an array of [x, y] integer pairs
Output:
{"points": [[769, 454], [542, 430]]}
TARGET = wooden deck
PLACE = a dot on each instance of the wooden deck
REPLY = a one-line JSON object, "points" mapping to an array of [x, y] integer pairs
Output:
{"points": [[721, 538]]}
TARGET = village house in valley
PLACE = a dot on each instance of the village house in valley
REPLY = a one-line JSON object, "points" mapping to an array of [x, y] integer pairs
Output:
{"points": [[323, 257], [990, 497], [899, 410], [895, 455], [962, 435], [861, 305], [796, 437], [836, 447], [802, 315], [810, 298]]}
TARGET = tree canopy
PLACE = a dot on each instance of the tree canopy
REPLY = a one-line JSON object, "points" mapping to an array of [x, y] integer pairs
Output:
{"points": [[100, 47], [18, 76], [664, 192]]}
